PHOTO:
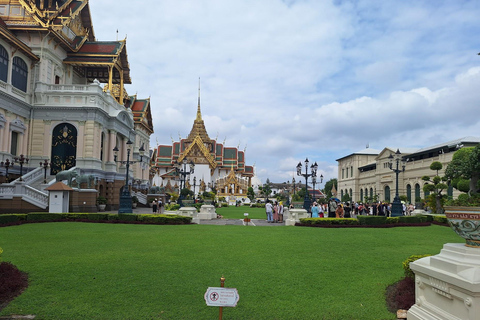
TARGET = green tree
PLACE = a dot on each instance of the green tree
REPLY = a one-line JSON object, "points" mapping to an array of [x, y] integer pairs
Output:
{"points": [[436, 187], [346, 198], [250, 193], [465, 166], [266, 189], [328, 187], [186, 193]]}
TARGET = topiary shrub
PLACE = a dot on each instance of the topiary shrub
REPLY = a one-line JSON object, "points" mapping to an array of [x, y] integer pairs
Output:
{"points": [[12, 283]]}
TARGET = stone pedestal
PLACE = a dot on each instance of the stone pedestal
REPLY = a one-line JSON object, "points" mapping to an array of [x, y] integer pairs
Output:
{"points": [[207, 212], [195, 218], [447, 286], [186, 211], [294, 215]]}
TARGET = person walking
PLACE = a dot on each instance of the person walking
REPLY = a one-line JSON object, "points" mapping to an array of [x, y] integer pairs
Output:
{"points": [[154, 206], [315, 210], [332, 207], [269, 211], [160, 206], [339, 211], [275, 212], [347, 210], [280, 212], [321, 211]]}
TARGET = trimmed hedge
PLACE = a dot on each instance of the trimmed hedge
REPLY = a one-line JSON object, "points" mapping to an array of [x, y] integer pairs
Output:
{"points": [[9, 219], [329, 221], [12, 218], [440, 219], [371, 220], [163, 219]]}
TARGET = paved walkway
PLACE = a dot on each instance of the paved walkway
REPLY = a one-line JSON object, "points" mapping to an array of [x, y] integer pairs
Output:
{"points": [[219, 222]]}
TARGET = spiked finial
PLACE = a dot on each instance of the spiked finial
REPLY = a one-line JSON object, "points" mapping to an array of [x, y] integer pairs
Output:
{"points": [[199, 113]]}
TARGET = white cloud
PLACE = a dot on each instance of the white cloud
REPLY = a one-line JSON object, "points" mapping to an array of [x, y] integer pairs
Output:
{"points": [[297, 79]]}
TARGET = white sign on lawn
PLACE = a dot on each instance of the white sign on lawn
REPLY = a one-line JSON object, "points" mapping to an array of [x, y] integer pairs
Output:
{"points": [[221, 297]]}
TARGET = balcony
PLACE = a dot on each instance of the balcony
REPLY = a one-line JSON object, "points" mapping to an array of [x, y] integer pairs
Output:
{"points": [[76, 95]]}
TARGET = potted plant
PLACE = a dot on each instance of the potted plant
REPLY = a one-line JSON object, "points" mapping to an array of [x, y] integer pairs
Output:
{"points": [[102, 203], [134, 201], [463, 213]]}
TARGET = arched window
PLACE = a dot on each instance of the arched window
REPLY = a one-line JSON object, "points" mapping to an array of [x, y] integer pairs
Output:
{"points": [[417, 192], [387, 193], [351, 193], [366, 193], [3, 64], [361, 195], [371, 193], [341, 194], [19, 74], [409, 193]]}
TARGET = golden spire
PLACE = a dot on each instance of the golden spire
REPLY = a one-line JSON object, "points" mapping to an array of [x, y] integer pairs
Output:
{"points": [[198, 128], [199, 112]]}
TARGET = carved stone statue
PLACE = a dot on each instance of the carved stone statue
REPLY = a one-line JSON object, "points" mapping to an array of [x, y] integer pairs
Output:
{"points": [[66, 175], [84, 178]]}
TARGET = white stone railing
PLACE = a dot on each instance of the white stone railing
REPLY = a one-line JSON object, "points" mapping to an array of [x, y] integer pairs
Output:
{"points": [[35, 197], [19, 94], [142, 198], [31, 176], [7, 191], [65, 95], [27, 193]]}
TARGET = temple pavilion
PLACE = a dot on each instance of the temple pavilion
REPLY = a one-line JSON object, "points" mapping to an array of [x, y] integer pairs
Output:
{"points": [[215, 165]]}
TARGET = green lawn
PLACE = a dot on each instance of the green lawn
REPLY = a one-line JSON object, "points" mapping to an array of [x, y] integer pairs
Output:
{"points": [[233, 212], [116, 271]]}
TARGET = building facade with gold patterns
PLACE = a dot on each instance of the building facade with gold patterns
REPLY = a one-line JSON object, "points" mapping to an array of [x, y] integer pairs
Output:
{"points": [[216, 166], [62, 96]]}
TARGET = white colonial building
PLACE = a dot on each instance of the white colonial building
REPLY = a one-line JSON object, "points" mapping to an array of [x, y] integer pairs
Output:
{"points": [[366, 173]]}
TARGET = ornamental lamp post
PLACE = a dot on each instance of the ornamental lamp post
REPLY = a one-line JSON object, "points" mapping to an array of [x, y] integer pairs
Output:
{"points": [[287, 190], [21, 160], [125, 196], [7, 164], [44, 165], [293, 181], [396, 204], [314, 181], [183, 173], [313, 170], [194, 184]]}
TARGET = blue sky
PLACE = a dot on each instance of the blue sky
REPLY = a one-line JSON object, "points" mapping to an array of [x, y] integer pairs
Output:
{"points": [[296, 79]]}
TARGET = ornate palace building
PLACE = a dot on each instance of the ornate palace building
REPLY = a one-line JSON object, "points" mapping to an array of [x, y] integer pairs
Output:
{"points": [[366, 173], [215, 164], [62, 99]]}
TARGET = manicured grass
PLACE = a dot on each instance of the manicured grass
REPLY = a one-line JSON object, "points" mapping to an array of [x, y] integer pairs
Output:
{"points": [[233, 212], [115, 271]]}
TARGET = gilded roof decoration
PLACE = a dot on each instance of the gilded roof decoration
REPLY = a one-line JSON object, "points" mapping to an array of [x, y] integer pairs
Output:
{"points": [[68, 20], [198, 150]]}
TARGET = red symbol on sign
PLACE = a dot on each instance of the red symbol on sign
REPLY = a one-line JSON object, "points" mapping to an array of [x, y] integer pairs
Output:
{"points": [[214, 296]]}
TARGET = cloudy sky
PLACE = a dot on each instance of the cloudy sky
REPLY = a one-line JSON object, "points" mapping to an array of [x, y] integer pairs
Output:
{"points": [[292, 79]]}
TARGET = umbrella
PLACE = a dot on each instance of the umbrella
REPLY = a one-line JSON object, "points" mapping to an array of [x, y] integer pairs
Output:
{"points": [[335, 199]]}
